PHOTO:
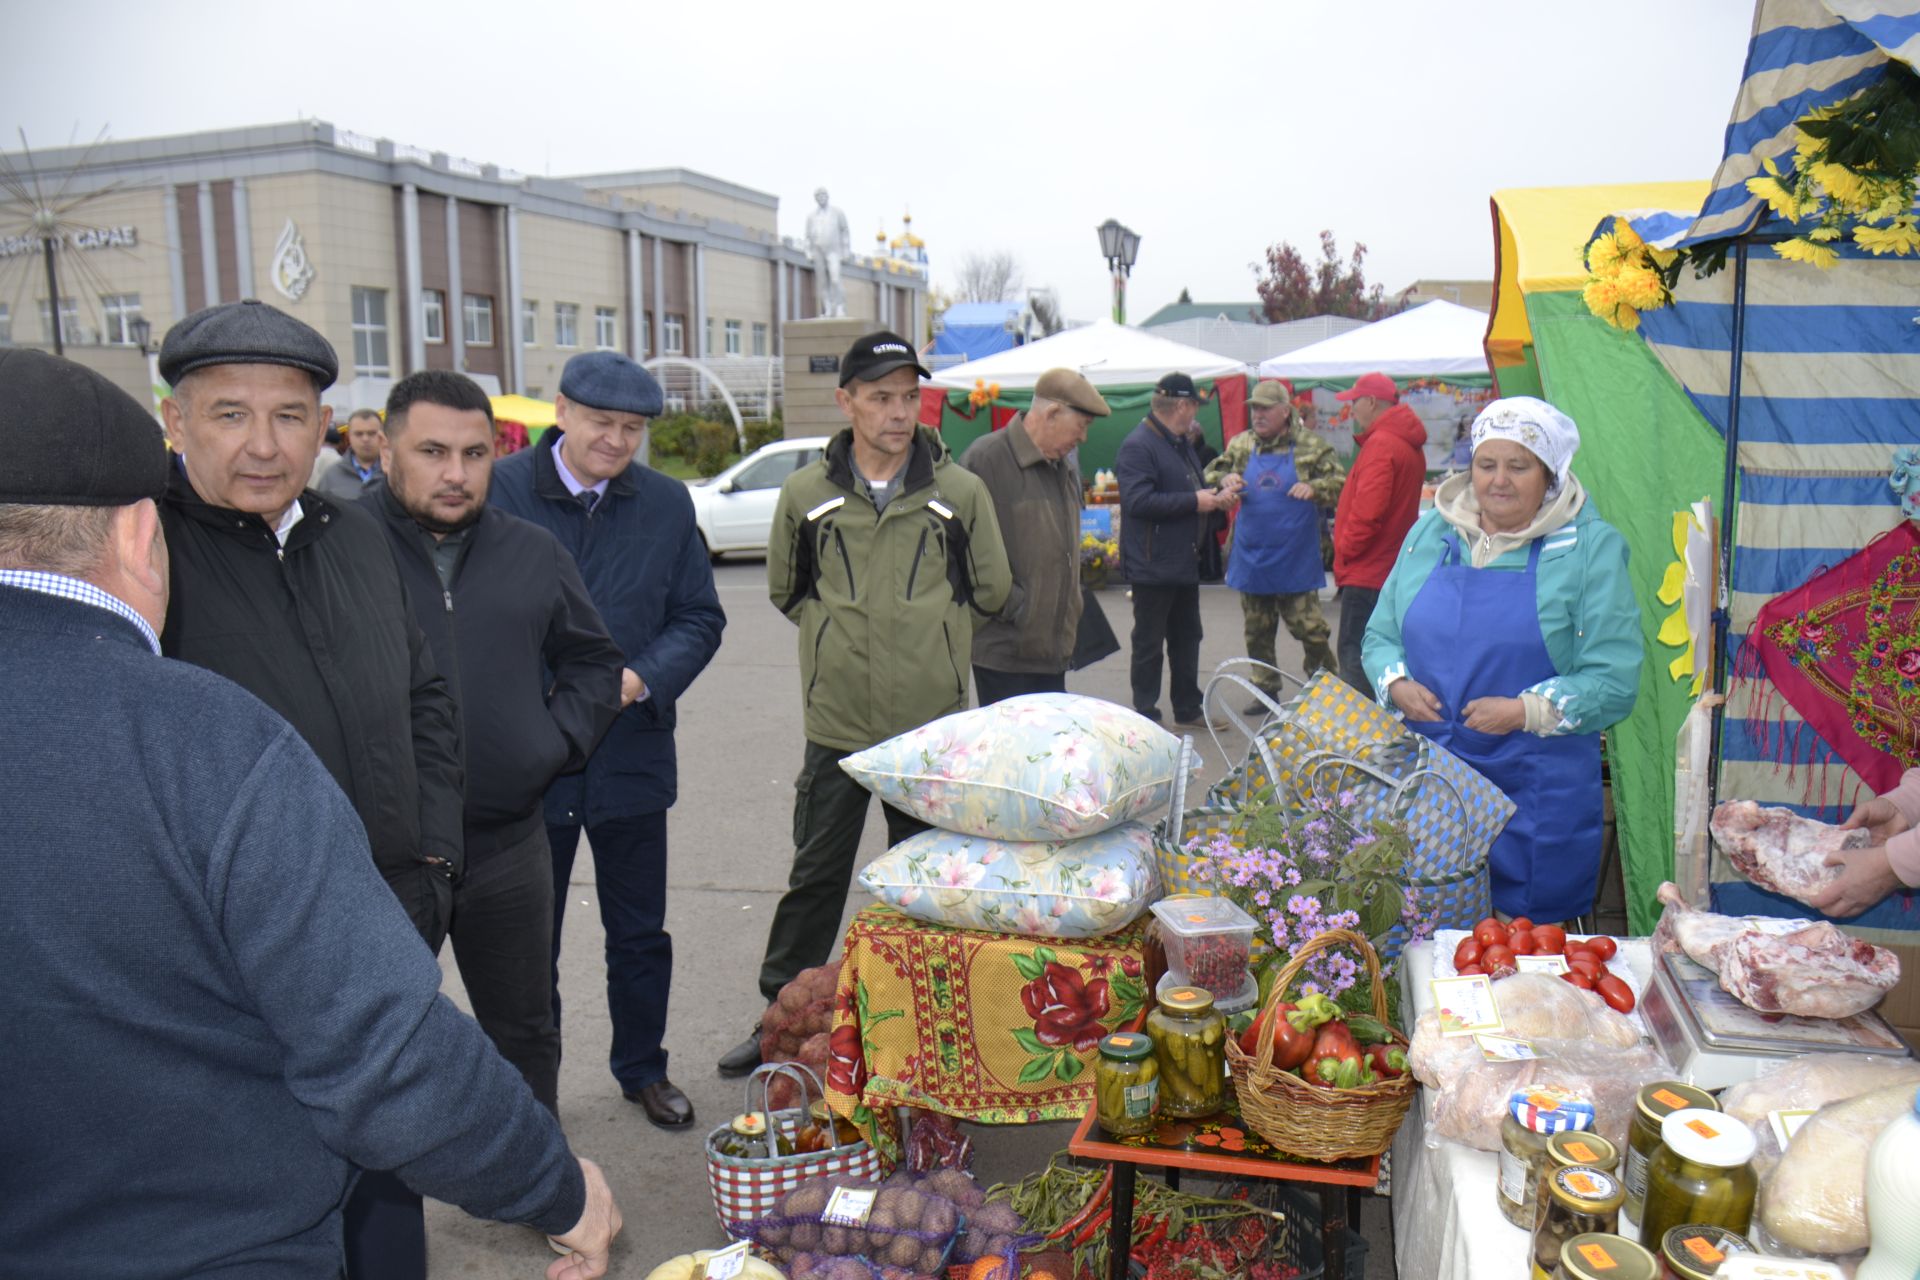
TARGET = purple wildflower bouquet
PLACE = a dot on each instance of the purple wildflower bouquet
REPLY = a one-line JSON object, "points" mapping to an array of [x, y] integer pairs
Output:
{"points": [[1305, 868]]}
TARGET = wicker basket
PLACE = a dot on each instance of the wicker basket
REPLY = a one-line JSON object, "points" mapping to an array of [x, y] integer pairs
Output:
{"points": [[1310, 1120]]}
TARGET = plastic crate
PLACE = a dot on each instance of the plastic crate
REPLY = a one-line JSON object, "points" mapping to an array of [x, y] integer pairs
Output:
{"points": [[1298, 1245]]}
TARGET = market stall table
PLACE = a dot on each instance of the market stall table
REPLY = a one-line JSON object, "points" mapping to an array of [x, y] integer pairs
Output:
{"points": [[1446, 1222], [1206, 1146], [990, 1027]]}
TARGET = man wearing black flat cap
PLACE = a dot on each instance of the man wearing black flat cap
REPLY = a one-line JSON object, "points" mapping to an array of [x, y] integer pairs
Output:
{"points": [[632, 533], [1162, 498], [298, 601], [213, 1004]]}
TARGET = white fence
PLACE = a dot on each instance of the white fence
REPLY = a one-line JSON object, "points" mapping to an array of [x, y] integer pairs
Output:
{"points": [[754, 382]]}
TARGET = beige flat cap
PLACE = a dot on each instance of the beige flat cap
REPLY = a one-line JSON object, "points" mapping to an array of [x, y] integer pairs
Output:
{"points": [[1072, 390]]}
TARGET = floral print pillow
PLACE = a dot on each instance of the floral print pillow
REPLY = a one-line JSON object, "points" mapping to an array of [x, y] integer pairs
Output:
{"points": [[1044, 888], [1042, 766]]}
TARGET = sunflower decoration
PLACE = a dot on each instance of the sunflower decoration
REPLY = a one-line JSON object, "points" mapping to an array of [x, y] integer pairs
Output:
{"points": [[983, 393], [1625, 276], [1687, 589]]}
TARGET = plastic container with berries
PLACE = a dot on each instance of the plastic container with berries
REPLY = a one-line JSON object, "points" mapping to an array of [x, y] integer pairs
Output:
{"points": [[1209, 943]]}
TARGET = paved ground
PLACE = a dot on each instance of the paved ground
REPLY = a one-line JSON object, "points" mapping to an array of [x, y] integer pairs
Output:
{"points": [[740, 741]]}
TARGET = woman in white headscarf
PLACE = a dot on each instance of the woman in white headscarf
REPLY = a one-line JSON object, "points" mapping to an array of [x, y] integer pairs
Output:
{"points": [[1508, 633]]}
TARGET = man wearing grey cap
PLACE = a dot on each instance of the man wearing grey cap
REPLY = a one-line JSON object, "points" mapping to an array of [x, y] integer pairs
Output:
{"points": [[1029, 469], [214, 1006], [297, 599], [632, 533]]}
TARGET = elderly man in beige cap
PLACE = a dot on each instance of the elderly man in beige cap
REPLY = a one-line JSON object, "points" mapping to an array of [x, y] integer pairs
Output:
{"points": [[1030, 471]]}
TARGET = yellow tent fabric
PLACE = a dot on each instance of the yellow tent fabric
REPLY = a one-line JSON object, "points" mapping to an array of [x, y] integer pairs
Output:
{"points": [[1540, 234], [525, 410]]}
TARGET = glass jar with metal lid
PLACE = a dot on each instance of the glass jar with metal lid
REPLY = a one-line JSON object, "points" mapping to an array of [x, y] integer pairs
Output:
{"points": [[1190, 1043], [1578, 1201], [1572, 1147], [1695, 1251], [1651, 1106], [1605, 1257], [1533, 1116], [1703, 1172], [1126, 1084]]}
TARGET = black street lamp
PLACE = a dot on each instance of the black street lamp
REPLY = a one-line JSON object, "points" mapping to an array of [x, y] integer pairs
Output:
{"points": [[140, 330], [1120, 246]]}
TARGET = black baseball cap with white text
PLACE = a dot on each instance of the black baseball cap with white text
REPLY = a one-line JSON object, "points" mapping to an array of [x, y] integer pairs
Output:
{"points": [[876, 355]]}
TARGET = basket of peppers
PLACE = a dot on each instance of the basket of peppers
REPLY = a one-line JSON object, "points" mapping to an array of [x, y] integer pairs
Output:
{"points": [[1315, 1080]]}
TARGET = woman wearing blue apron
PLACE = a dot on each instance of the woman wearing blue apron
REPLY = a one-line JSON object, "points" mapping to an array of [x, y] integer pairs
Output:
{"points": [[1509, 634]]}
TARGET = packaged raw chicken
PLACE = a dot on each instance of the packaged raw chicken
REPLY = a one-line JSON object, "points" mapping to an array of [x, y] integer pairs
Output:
{"points": [[1808, 1083], [1815, 1200]]}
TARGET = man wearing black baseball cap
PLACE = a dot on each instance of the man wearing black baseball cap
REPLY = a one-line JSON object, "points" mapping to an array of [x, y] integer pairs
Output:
{"points": [[883, 552], [1162, 498]]}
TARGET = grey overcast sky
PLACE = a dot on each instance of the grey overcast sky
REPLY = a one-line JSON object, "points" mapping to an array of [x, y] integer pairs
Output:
{"points": [[1212, 128]]}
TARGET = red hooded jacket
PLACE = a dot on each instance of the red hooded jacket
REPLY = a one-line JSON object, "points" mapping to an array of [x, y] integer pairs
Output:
{"points": [[1380, 499]]}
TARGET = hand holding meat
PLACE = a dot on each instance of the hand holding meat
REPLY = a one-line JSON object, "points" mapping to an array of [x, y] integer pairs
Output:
{"points": [[1880, 819], [1782, 852]]}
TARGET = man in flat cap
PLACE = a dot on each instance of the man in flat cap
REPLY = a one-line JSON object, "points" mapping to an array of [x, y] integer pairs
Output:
{"points": [[297, 599], [631, 532], [1030, 473], [1285, 476], [214, 1007], [1162, 498], [537, 681], [883, 552]]}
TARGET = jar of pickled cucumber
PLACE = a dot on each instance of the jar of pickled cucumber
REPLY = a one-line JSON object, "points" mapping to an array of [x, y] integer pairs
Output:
{"points": [[1702, 1173], [1572, 1147], [1579, 1200], [1126, 1084], [1652, 1105], [1533, 1116], [1695, 1251], [1190, 1044], [1605, 1257]]}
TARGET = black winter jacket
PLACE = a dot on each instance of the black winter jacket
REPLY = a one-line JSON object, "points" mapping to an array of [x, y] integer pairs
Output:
{"points": [[533, 670], [1159, 514], [322, 633]]}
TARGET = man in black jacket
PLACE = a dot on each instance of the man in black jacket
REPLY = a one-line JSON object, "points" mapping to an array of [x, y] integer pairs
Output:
{"points": [[299, 602], [537, 681]]}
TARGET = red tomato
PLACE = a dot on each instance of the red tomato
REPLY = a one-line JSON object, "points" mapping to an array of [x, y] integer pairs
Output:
{"points": [[1592, 968], [1576, 949], [1490, 932], [1616, 993], [1497, 960], [1549, 939], [1519, 923], [1578, 979], [1470, 970], [1466, 953], [1523, 943], [1603, 946]]}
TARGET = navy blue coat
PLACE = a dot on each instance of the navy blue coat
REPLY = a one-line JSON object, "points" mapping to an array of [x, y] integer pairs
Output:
{"points": [[1159, 515], [647, 573], [212, 1003]]}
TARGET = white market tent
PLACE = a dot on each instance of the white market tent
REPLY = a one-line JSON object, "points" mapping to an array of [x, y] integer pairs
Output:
{"points": [[1105, 353], [1438, 339]]}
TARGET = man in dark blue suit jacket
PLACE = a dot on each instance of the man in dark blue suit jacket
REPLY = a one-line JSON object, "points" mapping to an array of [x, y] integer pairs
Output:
{"points": [[631, 531]]}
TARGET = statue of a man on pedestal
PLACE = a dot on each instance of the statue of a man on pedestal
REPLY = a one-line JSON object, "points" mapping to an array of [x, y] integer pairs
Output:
{"points": [[828, 245]]}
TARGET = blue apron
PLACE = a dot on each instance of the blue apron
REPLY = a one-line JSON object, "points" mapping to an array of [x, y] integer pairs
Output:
{"points": [[1276, 537], [1475, 633]]}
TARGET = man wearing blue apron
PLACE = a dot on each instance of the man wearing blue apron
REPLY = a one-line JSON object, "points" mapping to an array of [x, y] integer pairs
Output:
{"points": [[1284, 476]]}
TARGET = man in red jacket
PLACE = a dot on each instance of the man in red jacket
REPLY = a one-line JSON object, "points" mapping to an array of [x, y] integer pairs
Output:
{"points": [[1377, 507]]}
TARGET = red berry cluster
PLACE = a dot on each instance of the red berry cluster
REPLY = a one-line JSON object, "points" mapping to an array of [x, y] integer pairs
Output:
{"points": [[1237, 1249], [1218, 962]]}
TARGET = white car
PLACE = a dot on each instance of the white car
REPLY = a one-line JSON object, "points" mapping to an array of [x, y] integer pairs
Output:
{"points": [[734, 510]]}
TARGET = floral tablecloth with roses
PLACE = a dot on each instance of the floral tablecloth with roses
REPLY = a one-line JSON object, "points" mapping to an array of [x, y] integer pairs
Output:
{"points": [[992, 1027]]}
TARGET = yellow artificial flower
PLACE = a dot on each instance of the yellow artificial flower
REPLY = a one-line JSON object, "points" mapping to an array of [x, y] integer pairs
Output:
{"points": [[1623, 232], [1896, 198], [1899, 239], [1805, 145], [1664, 258], [1843, 186], [1778, 195], [1825, 232], [1605, 255], [1798, 250], [1640, 289], [1603, 299]]}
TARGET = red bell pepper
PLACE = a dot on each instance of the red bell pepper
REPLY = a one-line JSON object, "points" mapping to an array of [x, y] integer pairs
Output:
{"points": [[1291, 1043], [1336, 1059], [1389, 1060]]}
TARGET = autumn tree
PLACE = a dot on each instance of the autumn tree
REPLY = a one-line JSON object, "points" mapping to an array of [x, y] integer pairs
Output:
{"points": [[1290, 289], [988, 277]]}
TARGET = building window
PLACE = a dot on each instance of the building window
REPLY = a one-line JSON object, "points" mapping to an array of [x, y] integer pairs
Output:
{"points": [[733, 337], [759, 338], [118, 311], [370, 357], [529, 323], [476, 319], [606, 328], [566, 324], [433, 315], [646, 332], [707, 348], [69, 320], [673, 335], [6, 324]]}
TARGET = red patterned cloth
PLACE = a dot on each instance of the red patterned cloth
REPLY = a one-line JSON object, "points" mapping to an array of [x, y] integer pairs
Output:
{"points": [[1844, 651]]}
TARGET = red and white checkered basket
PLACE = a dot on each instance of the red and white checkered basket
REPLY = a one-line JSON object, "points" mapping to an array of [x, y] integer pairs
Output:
{"points": [[744, 1190]]}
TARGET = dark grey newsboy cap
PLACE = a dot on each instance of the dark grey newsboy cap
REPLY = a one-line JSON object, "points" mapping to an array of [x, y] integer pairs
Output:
{"points": [[249, 332], [70, 438], [608, 380]]}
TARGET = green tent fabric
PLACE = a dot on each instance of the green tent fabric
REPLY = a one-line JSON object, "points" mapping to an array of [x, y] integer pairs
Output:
{"points": [[1645, 454], [1129, 405]]}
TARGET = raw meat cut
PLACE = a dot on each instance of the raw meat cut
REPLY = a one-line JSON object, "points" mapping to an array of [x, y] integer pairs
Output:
{"points": [[1778, 849], [1702, 936], [1815, 972]]}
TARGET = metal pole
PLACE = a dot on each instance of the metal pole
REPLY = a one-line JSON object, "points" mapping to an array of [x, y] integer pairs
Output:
{"points": [[1722, 614], [49, 247]]}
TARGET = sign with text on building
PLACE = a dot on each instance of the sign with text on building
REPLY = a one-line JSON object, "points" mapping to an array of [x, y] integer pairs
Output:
{"points": [[78, 238]]}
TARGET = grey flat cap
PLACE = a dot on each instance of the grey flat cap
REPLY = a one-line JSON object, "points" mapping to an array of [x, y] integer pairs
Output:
{"points": [[70, 438], [249, 332], [608, 380]]}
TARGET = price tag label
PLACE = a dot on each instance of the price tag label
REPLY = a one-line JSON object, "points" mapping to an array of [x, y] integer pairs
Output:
{"points": [[1597, 1257], [1582, 1152], [1702, 1128], [729, 1262], [1786, 1124], [849, 1206], [1667, 1097], [1702, 1248], [1540, 964], [1504, 1048], [1466, 1005]]}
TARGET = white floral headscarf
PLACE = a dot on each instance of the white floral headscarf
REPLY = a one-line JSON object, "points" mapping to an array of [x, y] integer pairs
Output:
{"points": [[1547, 433]]}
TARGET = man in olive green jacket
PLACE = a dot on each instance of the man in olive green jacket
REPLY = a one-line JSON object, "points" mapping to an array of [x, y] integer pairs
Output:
{"points": [[882, 552], [1029, 469]]}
